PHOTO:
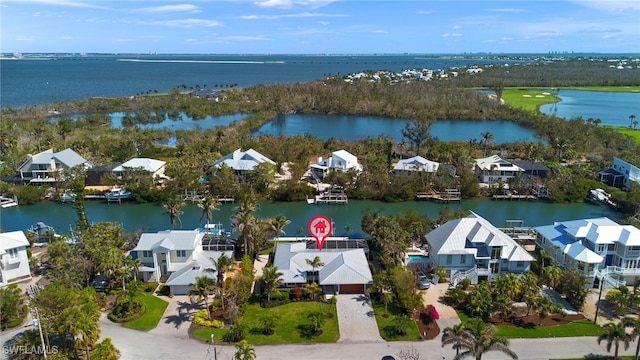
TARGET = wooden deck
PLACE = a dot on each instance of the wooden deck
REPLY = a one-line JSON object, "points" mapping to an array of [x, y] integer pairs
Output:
{"points": [[448, 195], [514, 197], [330, 197], [6, 202]]}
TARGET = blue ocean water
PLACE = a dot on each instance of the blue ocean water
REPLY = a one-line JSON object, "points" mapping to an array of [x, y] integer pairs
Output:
{"points": [[35, 80]]}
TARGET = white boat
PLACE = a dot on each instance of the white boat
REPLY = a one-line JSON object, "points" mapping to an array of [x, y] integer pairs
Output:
{"points": [[67, 196], [117, 194], [599, 195]]}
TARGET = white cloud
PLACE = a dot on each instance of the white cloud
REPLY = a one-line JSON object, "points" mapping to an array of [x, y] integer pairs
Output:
{"points": [[325, 23], [597, 29], [511, 10], [188, 23], [292, 15], [67, 3], [611, 5], [547, 34], [380, 31], [426, 12], [249, 17], [36, 14], [25, 38], [171, 8], [288, 4], [456, 27], [244, 38], [65, 37], [451, 35]]}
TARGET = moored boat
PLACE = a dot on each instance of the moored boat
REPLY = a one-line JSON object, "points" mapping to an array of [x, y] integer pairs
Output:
{"points": [[117, 194]]}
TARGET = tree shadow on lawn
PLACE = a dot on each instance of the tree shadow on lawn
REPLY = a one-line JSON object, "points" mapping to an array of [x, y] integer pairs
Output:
{"points": [[184, 315], [306, 331]]}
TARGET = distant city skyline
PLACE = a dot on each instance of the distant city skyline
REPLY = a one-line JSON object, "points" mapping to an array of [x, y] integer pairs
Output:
{"points": [[319, 26]]}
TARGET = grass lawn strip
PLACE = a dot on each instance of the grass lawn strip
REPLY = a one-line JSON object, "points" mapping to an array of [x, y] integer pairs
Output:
{"points": [[576, 328], [155, 309], [291, 328], [385, 324]]}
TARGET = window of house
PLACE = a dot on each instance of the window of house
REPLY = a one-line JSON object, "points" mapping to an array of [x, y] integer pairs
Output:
{"points": [[12, 253], [146, 254], [495, 252], [520, 264], [463, 259], [181, 253], [449, 259]]}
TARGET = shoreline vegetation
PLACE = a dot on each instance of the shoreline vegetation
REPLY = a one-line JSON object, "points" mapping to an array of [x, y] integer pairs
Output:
{"points": [[575, 147]]}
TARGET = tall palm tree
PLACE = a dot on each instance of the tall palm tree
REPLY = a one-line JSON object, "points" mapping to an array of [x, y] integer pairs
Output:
{"points": [[271, 278], [173, 207], [634, 324], [202, 289], [487, 138], [454, 335], [208, 204], [244, 351], [222, 264], [631, 119], [613, 334], [242, 223], [133, 265], [480, 338], [315, 263], [276, 226]]}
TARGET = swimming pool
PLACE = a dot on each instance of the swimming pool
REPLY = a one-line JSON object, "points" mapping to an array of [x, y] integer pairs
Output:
{"points": [[417, 257]]}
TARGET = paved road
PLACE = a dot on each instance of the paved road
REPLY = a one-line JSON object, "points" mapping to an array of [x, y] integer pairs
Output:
{"points": [[143, 345]]}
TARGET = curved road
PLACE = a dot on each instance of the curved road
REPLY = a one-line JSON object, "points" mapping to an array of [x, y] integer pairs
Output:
{"points": [[143, 345]]}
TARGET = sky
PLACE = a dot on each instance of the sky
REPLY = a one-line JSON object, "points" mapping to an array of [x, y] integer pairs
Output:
{"points": [[319, 26]]}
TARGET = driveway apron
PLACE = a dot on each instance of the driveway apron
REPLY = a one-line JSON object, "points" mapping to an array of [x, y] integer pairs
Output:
{"points": [[356, 319]]}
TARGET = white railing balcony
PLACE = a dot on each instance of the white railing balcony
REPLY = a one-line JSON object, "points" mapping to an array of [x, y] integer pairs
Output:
{"points": [[632, 254], [12, 260]]}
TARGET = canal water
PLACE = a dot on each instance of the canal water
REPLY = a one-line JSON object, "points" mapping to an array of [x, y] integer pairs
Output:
{"points": [[152, 217]]}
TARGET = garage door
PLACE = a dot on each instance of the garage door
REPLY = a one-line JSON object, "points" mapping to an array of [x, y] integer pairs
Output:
{"points": [[352, 289]]}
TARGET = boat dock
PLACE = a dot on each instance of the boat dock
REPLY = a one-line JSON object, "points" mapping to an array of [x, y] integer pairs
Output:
{"points": [[193, 196], [6, 202], [514, 197], [331, 196], [448, 195]]}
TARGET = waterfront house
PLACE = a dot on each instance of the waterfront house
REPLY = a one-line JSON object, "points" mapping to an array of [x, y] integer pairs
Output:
{"points": [[50, 167], [597, 247], [533, 168], [340, 160], [154, 167], [473, 248], [414, 165], [14, 260], [493, 169], [620, 174], [345, 269], [177, 257], [242, 161]]}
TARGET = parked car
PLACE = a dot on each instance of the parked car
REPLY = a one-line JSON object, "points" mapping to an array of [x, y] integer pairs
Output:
{"points": [[99, 283], [423, 281]]}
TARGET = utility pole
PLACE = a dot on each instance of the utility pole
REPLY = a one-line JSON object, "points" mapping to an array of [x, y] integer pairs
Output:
{"points": [[595, 318], [44, 349]]}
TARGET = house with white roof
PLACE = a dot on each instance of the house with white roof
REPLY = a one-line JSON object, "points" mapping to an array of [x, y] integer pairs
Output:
{"points": [[345, 270], [49, 167], [340, 160], [473, 248], [493, 169], [14, 261], [152, 166], [621, 174], [242, 161], [597, 247], [414, 165], [178, 257]]}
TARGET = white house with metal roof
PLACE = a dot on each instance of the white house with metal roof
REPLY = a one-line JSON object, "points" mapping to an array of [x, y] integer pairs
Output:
{"points": [[340, 160], [154, 167], [415, 164], [14, 261], [344, 270], [242, 161], [597, 247], [177, 257], [472, 247], [494, 168], [49, 166]]}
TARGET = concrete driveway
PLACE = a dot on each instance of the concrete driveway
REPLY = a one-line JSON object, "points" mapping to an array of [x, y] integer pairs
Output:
{"points": [[356, 319], [177, 317]]}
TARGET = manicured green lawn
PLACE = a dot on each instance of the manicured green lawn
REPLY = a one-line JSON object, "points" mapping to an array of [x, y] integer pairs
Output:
{"points": [[291, 328], [385, 324], [634, 133], [576, 328], [155, 309]]}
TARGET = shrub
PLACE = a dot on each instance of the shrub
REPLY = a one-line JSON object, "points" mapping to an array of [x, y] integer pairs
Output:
{"points": [[202, 318], [465, 283], [13, 323], [150, 287], [127, 311], [165, 290], [235, 334], [433, 313], [297, 293], [455, 297]]}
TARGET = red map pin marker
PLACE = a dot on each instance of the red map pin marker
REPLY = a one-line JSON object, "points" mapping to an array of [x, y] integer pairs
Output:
{"points": [[320, 227]]}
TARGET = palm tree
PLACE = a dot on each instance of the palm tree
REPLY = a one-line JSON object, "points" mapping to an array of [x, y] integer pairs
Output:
{"points": [[454, 335], [244, 351], [133, 265], [487, 138], [315, 263], [631, 120], [634, 324], [614, 333], [271, 278], [480, 338], [222, 265], [242, 223], [208, 205], [201, 290], [173, 208], [276, 225]]}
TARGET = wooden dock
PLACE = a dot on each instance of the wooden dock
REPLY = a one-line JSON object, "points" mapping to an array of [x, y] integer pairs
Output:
{"points": [[448, 195], [6, 202], [514, 197], [330, 197]]}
